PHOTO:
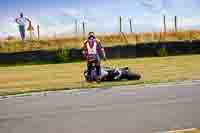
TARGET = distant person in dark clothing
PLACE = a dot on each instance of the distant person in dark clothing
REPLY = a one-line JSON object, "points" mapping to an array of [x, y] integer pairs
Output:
{"points": [[22, 21]]}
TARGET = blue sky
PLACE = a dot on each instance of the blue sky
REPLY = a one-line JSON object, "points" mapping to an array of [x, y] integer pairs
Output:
{"points": [[57, 16]]}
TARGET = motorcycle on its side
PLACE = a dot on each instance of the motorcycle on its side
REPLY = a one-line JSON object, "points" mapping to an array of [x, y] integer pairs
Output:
{"points": [[112, 74]]}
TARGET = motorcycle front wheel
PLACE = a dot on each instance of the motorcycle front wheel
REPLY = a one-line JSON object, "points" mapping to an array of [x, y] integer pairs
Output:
{"points": [[131, 76]]}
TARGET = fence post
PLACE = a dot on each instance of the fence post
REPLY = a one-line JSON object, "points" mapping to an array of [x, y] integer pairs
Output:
{"points": [[136, 38], [76, 26], [130, 22], [160, 36], [120, 23], [165, 27], [83, 30], [55, 35], [175, 24], [38, 31], [192, 37], [152, 36]]}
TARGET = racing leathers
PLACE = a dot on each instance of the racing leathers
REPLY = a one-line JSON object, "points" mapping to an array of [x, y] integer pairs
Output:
{"points": [[92, 49]]}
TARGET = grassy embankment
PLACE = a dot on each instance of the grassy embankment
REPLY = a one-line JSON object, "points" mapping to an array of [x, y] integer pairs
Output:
{"points": [[21, 79], [13, 45]]}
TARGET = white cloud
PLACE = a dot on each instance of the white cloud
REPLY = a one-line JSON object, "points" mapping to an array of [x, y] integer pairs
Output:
{"points": [[153, 5], [70, 12], [8, 27], [192, 22], [59, 29]]}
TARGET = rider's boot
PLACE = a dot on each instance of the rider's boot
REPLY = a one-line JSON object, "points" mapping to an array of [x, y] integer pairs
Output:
{"points": [[98, 78]]}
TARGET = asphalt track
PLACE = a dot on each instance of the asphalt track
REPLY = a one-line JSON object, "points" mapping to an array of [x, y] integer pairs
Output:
{"points": [[133, 109]]}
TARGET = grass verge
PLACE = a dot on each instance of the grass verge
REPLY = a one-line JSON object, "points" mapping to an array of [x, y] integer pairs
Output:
{"points": [[111, 39], [51, 77], [193, 130]]}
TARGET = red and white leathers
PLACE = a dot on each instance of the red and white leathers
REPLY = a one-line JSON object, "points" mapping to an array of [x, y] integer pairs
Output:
{"points": [[92, 49]]}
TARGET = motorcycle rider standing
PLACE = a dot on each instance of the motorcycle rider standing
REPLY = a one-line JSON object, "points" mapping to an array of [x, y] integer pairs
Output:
{"points": [[92, 48]]}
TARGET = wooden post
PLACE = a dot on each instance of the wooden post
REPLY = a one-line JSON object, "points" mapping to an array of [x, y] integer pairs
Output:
{"points": [[76, 26], [164, 24], [55, 35], [130, 22], [38, 31], [160, 35], [175, 24], [136, 38], [152, 36], [190, 32], [83, 30], [120, 24], [31, 37]]}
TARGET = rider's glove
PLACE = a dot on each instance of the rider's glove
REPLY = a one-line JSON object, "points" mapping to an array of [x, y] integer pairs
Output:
{"points": [[104, 56]]}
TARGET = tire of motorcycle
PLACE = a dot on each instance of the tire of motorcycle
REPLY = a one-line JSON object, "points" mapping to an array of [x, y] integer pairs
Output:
{"points": [[87, 79], [132, 76]]}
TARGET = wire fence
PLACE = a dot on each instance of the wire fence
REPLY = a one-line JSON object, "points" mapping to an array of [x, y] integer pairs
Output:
{"points": [[121, 29], [127, 25]]}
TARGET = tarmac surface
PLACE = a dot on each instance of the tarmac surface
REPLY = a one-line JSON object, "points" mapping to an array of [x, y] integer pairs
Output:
{"points": [[131, 109]]}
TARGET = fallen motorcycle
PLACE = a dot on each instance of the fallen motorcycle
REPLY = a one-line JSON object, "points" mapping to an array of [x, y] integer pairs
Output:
{"points": [[112, 74]]}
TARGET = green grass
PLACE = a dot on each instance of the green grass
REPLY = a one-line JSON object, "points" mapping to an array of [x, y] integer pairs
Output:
{"points": [[194, 130], [34, 78]]}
